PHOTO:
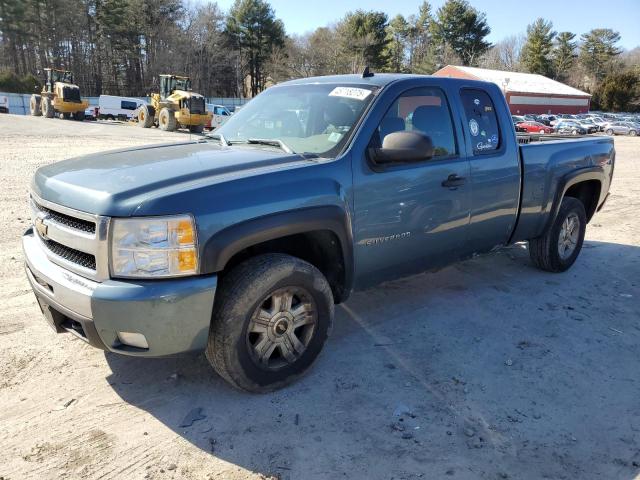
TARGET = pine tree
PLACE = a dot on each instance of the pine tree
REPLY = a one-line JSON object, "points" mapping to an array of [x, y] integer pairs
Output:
{"points": [[536, 52], [564, 55]]}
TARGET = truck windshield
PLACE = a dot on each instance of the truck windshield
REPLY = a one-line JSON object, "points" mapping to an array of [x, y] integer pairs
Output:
{"points": [[313, 118]]}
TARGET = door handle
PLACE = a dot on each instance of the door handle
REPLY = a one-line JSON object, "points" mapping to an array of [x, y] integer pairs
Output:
{"points": [[453, 181]]}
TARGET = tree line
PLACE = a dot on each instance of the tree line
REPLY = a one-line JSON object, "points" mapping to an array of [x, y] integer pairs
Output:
{"points": [[120, 46]]}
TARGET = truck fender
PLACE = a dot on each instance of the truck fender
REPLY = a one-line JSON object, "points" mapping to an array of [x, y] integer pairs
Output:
{"points": [[566, 182], [222, 246]]}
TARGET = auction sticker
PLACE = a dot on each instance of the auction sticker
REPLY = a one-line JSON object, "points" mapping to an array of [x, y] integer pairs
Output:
{"points": [[474, 127], [350, 92]]}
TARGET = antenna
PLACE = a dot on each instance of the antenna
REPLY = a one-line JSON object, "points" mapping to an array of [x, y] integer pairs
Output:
{"points": [[366, 73]]}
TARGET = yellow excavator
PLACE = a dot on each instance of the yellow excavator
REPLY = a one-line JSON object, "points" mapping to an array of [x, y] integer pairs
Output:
{"points": [[174, 107], [59, 96]]}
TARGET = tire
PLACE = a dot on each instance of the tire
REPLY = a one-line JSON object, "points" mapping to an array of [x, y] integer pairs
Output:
{"points": [[167, 120], [247, 290], [609, 131], [146, 116], [541, 132], [47, 107], [34, 106], [633, 133], [64, 116], [546, 251], [574, 132], [79, 116], [196, 128]]}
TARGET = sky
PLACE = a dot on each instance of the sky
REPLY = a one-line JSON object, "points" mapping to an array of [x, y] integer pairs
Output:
{"points": [[505, 17]]}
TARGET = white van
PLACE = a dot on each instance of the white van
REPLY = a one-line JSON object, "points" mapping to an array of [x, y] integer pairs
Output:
{"points": [[118, 108], [220, 114]]}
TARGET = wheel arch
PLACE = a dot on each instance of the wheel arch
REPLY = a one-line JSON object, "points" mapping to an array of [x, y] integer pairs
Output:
{"points": [[319, 235], [585, 185]]}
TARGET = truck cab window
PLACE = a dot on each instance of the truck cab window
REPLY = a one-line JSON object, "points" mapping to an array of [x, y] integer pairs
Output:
{"points": [[425, 110], [481, 121]]}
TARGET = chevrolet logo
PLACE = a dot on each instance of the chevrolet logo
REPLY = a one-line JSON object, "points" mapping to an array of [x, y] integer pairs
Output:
{"points": [[41, 227]]}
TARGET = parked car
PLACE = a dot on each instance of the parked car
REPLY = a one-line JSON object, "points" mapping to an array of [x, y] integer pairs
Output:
{"points": [[91, 113], [220, 115], [517, 119], [4, 104], [118, 108], [535, 127], [241, 245], [569, 127], [620, 128]]}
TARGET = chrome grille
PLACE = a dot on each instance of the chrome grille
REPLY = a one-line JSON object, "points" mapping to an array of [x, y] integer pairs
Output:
{"points": [[75, 256], [71, 222], [73, 239]]}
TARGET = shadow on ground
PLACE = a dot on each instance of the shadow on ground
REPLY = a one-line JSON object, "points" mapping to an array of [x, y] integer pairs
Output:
{"points": [[487, 369]]}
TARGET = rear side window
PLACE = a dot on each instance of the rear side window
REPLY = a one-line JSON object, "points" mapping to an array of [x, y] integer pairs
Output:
{"points": [[482, 122], [128, 105]]}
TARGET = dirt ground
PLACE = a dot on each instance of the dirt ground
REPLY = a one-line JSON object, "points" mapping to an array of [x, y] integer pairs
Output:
{"points": [[488, 369]]}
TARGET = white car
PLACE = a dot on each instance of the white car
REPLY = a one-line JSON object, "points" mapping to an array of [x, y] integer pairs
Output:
{"points": [[220, 115]]}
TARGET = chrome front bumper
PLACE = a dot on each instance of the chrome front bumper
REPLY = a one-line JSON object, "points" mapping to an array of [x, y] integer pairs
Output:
{"points": [[174, 315]]}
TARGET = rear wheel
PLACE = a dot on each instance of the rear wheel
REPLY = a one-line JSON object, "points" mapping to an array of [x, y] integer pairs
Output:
{"points": [[574, 132], [633, 133], [47, 107], [608, 131], [34, 106], [196, 128], [167, 120], [272, 316], [558, 248], [79, 116], [145, 116]]}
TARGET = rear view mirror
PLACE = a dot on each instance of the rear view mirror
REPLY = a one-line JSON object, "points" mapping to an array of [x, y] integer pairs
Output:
{"points": [[403, 147]]}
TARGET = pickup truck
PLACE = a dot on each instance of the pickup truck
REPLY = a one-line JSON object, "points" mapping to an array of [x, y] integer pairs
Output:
{"points": [[240, 244]]}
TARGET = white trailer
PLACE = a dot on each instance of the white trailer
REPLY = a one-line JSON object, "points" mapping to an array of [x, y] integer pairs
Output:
{"points": [[112, 107]]}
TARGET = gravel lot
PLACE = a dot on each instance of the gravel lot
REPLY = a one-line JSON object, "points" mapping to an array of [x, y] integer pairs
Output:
{"points": [[487, 369]]}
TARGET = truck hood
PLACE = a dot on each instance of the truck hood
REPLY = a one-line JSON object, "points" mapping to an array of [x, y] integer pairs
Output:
{"points": [[115, 183]]}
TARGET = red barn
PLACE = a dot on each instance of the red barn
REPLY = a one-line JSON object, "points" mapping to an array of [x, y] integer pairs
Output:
{"points": [[526, 92]]}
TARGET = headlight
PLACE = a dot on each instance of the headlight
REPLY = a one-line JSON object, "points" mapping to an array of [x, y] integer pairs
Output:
{"points": [[153, 247]]}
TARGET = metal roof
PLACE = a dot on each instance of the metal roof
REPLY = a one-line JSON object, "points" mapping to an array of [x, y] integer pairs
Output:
{"points": [[521, 82]]}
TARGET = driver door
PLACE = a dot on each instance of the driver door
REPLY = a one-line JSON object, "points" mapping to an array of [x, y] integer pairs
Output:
{"points": [[412, 216]]}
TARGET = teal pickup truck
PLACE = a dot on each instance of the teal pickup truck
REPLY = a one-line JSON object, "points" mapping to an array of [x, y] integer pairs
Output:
{"points": [[240, 244]]}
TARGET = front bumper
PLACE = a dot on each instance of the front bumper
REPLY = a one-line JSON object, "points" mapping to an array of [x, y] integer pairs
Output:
{"points": [[174, 315]]}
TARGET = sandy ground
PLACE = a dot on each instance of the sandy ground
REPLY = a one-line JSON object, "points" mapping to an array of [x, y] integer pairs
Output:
{"points": [[487, 369]]}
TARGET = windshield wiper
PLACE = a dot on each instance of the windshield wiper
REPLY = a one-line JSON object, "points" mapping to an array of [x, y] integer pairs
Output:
{"points": [[275, 142], [223, 141]]}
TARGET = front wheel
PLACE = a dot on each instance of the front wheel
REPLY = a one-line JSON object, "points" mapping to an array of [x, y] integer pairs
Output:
{"points": [[558, 248], [609, 131], [272, 316], [196, 128], [633, 133]]}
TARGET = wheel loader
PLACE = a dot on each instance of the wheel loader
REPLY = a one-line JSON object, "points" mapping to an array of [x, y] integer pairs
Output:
{"points": [[59, 96], [174, 107]]}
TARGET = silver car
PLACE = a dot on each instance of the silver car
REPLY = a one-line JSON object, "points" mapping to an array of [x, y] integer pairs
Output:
{"points": [[620, 128]]}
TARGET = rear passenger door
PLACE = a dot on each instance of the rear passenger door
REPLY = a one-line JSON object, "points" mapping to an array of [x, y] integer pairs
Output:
{"points": [[495, 170], [410, 216]]}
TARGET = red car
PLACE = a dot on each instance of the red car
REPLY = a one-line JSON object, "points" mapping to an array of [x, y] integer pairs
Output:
{"points": [[535, 127]]}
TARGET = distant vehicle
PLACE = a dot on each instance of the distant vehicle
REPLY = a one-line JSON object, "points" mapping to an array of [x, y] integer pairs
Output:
{"points": [[591, 124], [534, 127], [4, 104], [118, 108], [518, 119], [620, 128], [91, 113], [570, 127], [220, 115], [59, 97]]}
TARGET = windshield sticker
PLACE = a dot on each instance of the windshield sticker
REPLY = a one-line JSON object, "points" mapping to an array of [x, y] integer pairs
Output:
{"points": [[335, 137], [474, 127], [350, 92]]}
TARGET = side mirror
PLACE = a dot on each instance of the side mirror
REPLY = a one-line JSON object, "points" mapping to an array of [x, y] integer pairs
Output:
{"points": [[403, 147]]}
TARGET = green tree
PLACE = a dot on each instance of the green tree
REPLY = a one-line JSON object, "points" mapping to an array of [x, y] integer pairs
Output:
{"points": [[617, 92], [598, 51], [397, 34], [420, 39], [537, 48], [256, 32], [462, 29], [564, 55], [363, 38]]}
